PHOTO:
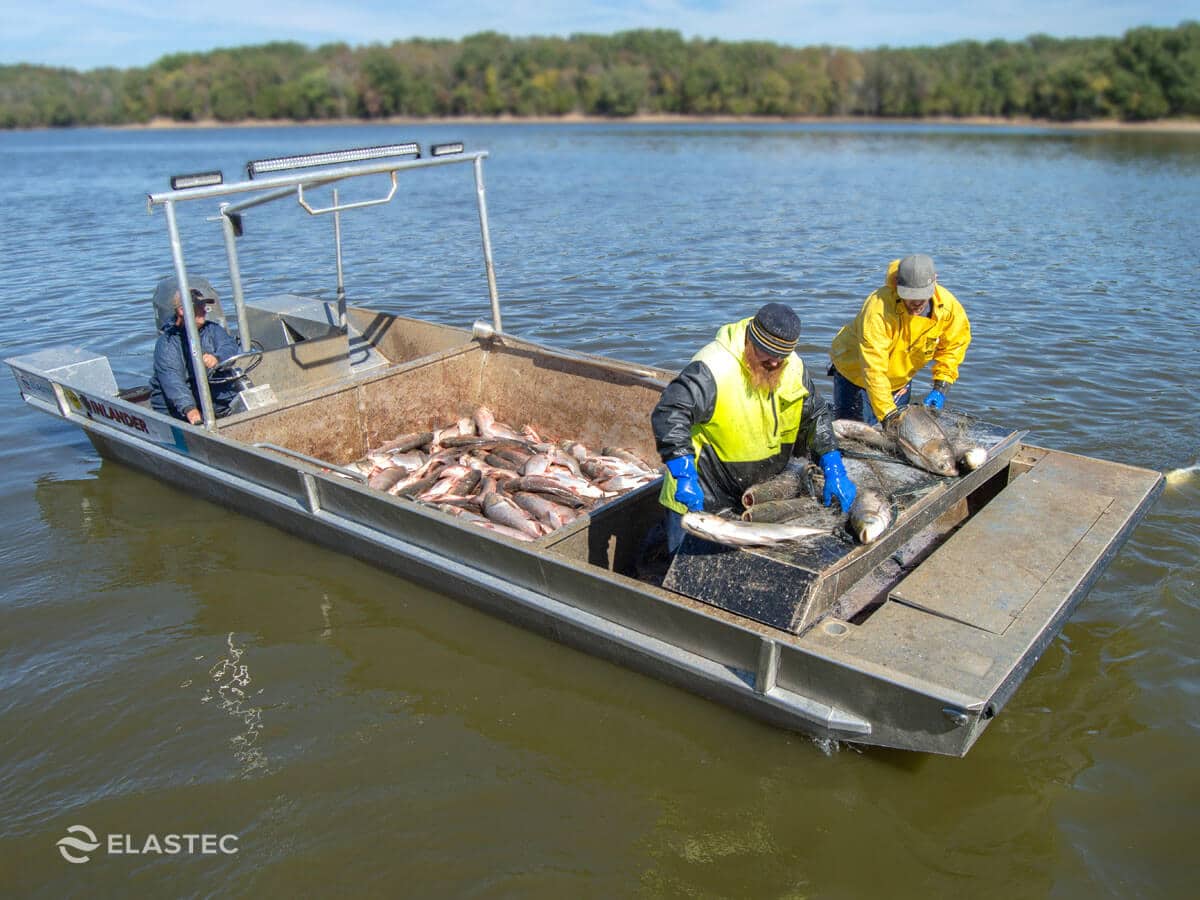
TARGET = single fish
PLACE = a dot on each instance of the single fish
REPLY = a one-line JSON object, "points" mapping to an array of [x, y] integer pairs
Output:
{"points": [[601, 468], [576, 449], [870, 515], [384, 479], [972, 458], [777, 510], [487, 485], [505, 530], [486, 442], [504, 512], [620, 483], [544, 509], [924, 442], [787, 485], [467, 483], [445, 486], [736, 533], [967, 454], [484, 420], [452, 501], [537, 465], [854, 430], [410, 460], [412, 486], [562, 458], [540, 484], [970, 455], [488, 469], [406, 442], [458, 511], [579, 486], [627, 455]]}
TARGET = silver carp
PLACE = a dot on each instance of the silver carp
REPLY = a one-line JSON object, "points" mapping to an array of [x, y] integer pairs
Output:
{"points": [[778, 510], [627, 456], [788, 484], [383, 479], [870, 515], [541, 484], [504, 512], [923, 440], [544, 509], [736, 533], [476, 457], [971, 458], [967, 455], [406, 442], [854, 430]]}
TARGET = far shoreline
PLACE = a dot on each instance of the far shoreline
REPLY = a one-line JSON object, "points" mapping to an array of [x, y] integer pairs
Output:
{"points": [[1177, 126]]}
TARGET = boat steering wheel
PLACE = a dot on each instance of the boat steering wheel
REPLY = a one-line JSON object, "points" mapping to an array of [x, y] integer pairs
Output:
{"points": [[226, 371]]}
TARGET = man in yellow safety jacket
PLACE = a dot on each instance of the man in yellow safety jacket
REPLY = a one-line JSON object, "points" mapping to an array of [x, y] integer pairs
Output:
{"points": [[736, 414], [901, 327]]}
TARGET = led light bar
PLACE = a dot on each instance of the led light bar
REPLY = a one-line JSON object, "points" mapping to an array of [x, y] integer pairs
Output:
{"points": [[447, 149], [198, 179], [330, 158]]}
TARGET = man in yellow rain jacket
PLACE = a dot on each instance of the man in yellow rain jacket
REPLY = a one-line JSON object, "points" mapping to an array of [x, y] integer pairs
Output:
{"points": [[736, 414], [901, 327]]}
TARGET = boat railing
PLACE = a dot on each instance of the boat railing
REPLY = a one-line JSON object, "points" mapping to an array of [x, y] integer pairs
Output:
{"points": [[280, 178]]}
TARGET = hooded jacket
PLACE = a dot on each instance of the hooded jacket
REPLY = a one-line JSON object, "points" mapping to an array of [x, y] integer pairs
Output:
{"points": [[172, 387], [885, 345], [739, 434]]}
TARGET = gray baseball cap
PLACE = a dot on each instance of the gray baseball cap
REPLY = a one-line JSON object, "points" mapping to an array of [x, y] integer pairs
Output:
{"points": [[916, 278]]}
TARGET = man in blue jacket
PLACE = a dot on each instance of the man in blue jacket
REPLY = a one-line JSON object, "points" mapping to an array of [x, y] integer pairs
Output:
{"points": [[173, 387]]}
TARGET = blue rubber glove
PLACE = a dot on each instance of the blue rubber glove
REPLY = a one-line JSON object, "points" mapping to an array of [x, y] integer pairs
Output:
{"points": [[837, 482], [935, 399], [687, 482]]}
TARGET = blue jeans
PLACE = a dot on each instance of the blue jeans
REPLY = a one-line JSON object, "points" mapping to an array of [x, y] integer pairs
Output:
{"points": [[673, 523], [851, 402]]}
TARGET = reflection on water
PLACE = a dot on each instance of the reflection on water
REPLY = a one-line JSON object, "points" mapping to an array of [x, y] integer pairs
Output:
{"points": [[231, 690], [168, 664]]}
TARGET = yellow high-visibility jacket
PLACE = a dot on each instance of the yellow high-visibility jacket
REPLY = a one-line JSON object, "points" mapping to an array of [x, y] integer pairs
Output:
{"points": [[740, 435], [885, 346]]}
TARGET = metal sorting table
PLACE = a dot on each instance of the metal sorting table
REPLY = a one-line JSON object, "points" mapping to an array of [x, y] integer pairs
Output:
{"points": [[792, 585]]}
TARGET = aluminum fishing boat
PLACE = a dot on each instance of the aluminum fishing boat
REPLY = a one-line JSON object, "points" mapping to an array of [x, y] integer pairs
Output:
{"points": [[915, 641]]}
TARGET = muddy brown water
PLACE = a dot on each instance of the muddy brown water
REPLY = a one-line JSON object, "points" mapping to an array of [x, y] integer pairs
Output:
{"points": [[172, 668]]}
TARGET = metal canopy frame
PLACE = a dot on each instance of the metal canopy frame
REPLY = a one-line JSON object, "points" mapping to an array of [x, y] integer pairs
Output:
{"points": [[257, 192]]}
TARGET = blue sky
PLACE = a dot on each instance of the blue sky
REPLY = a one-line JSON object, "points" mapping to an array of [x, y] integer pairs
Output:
{"points": [[84, 34]]}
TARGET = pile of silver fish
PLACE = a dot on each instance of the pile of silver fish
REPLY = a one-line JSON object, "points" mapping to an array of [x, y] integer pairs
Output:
{"points": [[793, 494], [783, 507], [515, 483]]}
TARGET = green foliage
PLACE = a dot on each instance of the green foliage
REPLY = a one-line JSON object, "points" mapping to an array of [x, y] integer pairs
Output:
{"points": [[1148, 73]]}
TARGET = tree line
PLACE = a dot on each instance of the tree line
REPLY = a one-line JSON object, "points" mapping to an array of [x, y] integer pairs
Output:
{"points": [[1148, 73]]}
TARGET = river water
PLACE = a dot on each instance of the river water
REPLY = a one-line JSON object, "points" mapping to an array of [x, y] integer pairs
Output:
{"points": [[171, 667]]}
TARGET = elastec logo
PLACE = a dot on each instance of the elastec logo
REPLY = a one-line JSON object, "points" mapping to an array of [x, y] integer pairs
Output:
{"points": [[67, 845], [81, 840]]}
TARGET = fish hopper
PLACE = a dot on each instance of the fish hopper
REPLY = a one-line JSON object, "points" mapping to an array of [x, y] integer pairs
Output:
{"points": [[793, 584]]}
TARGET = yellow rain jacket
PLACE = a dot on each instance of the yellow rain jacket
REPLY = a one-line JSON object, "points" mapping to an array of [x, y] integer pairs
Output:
{"points": [[885, 346], [740, 435]]}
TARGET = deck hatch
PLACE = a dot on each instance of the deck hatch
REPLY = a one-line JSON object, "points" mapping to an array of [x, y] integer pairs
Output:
{"points": [[988, 571]]}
